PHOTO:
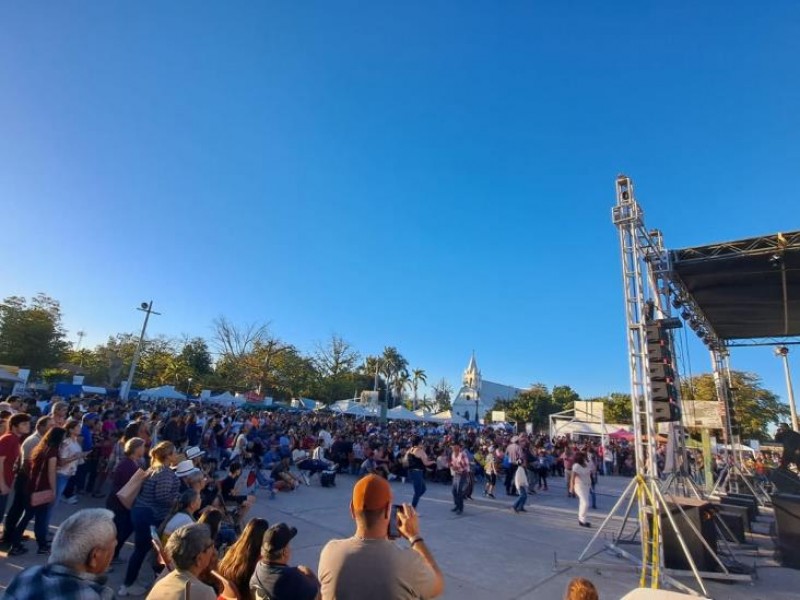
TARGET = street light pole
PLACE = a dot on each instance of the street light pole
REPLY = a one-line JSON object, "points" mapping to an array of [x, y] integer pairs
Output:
{"points": [[147, 309], [783, 352], [188, 387]]}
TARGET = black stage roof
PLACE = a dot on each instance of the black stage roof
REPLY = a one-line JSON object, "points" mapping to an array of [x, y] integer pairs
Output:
{"points": [[747, 288]]}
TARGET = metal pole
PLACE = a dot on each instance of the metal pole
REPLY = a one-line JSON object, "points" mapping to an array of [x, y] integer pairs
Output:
{"points": [[783, 352], [148, 310]]}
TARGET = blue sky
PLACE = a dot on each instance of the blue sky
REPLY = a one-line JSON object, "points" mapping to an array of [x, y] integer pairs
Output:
{"points": [[437, 176]]}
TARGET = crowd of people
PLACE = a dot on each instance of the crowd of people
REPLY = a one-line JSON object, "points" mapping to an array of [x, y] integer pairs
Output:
{"points": [[184, 476]]}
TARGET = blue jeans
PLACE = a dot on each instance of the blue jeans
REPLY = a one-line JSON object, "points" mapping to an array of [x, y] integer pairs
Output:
{"points": [[459, 485], [3, 502], [142, 519], [523, 497], [418, 479], [61, 485]]}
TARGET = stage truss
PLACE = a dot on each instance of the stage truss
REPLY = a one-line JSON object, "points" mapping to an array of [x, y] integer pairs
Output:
{"points": [[651, 290]]}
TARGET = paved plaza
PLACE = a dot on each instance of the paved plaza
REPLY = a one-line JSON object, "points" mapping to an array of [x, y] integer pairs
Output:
{"points": [[487, 553]]}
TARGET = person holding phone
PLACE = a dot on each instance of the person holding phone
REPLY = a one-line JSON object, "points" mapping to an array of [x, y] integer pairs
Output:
{"points": [[370, 565]]}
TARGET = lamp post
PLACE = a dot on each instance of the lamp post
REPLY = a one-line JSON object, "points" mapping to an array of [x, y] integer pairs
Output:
{"points": [[147, 309], [188, 387], [783, 352]]}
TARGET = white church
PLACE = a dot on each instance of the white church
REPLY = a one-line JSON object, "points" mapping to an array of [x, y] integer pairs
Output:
{"points": [[477, 395]]}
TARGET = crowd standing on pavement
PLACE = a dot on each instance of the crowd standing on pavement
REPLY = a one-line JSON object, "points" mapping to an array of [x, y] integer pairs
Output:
{"points": [[179, 478]]}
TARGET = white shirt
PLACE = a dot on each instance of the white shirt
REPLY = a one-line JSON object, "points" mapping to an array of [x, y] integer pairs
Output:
{"points": [[521, 478], [326, 438], [583, 480], [69, 449]]}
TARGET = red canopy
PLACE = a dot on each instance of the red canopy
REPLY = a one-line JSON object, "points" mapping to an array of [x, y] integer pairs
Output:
{"points": [[621, 434]]}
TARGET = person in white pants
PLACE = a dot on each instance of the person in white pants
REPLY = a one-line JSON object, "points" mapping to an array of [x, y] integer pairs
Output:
{"points": [[580, 484]]}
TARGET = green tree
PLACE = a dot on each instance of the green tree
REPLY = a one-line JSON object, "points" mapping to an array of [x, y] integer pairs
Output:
{"points": [[564, 397], [417, 376], [293, 375], [617, 408], [197, 357], [534, 405], [336, 358], [442, 395], [754, 407], [31, 333]]}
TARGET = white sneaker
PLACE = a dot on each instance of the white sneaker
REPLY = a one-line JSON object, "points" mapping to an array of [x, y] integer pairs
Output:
{"points": [[71, 500], [133, 590]]}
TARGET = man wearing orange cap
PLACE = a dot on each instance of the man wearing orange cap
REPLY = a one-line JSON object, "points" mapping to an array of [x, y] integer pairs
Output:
{"points": [[369, 565]]}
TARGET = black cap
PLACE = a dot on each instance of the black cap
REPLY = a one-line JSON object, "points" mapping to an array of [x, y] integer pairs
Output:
{"points": [[278, 536]]}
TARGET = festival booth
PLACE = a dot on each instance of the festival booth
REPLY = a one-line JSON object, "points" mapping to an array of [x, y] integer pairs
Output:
{"points": [[401, 413], [165, 392], [424, 415], [9, 377], [448, 418], [227, 399], [67, 390]]}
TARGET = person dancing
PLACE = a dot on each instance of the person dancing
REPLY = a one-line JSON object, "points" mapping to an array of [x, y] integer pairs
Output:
{"points": [[490, 469], [580, 484], [459, 467], [418, 461]]}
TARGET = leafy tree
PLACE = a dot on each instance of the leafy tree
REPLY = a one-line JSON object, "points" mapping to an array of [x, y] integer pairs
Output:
{"points": [[754, 407], [417, 376], [442, 394], [336, 358], [564, 397], [534, 405], [197, 357], [31, 334], [402, 382], [293, 375], [617, 408]]}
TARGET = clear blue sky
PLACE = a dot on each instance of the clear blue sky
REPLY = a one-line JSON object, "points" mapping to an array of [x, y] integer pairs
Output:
{"points": [[436, 176]]}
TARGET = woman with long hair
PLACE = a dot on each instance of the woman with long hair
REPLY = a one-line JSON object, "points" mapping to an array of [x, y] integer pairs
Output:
{"points": [[43, 465], [580, 483], [132, 459], [151, 507], [240, 560]]}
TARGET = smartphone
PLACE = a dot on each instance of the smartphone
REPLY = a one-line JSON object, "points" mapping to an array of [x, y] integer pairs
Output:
{"points": [[394, 531]]}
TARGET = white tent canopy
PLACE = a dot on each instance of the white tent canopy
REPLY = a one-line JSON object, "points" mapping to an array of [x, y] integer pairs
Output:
{"points": [[424, 414], [353, 408], [448, 417], [401, 413], [223, 398], [90, 389], [581, 428], [167, 392]]}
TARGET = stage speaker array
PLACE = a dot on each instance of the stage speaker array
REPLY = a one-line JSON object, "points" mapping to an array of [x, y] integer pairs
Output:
{"points": [[661, 372]]}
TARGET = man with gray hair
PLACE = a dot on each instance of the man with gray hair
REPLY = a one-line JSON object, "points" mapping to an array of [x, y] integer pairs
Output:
{"points": [[192, 551], [80, 554]]}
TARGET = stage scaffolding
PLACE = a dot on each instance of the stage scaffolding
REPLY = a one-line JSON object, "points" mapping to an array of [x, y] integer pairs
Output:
{"points": [[653, 286]]}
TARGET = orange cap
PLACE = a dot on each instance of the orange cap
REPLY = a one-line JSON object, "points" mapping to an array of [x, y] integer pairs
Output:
{"points": [[371, 493]]}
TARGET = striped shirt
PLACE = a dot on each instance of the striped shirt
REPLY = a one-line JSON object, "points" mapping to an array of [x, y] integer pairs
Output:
{"points": [[159, 491]]}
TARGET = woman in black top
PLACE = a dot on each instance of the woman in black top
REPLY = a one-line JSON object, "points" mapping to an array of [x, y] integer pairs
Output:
{"points": [[417, 461]]}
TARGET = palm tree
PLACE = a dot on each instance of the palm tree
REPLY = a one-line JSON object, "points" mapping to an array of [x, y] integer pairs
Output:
{"points": [[401, 383], [417, 376]]}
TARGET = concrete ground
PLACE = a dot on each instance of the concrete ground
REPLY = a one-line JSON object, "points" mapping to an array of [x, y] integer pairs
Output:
{"points": [[487, 553]]}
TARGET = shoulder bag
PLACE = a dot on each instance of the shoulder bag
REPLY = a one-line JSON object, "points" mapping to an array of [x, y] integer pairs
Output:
{"points": [[128, 493]]}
